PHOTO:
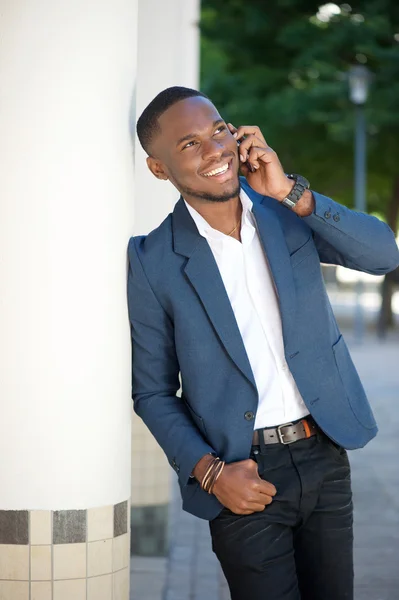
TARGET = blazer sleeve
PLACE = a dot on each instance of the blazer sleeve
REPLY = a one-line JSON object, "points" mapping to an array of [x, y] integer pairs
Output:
{"points": [[352, 239], [155, 375]]}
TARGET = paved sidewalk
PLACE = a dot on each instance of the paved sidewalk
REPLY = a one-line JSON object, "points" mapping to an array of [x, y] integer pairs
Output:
{"points": [[147, 577], [376, 477], [193, 572]]}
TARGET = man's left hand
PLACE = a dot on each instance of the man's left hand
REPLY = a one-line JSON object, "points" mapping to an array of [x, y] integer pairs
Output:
{"points": [[268, 177]]}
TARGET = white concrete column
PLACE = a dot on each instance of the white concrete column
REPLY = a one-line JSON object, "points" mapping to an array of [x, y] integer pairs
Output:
{"points": [[168, 54], [67, 78]]}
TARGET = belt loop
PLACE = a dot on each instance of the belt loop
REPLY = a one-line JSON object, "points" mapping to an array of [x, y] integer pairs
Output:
{"points": [[306, 428], [262, 444]]}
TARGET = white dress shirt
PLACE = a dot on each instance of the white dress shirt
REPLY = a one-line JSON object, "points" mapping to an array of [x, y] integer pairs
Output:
{"points": [[250, 287]]}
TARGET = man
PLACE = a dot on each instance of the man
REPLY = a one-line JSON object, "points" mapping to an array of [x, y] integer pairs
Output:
{"points": [[228, 293]]}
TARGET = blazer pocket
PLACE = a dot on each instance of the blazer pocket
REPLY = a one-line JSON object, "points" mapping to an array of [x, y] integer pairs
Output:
{"points": [[199, 421], [303, 252], [352, 385]]}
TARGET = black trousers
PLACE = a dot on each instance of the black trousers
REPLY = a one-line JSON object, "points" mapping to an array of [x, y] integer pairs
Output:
{"points": [[301, 546]]}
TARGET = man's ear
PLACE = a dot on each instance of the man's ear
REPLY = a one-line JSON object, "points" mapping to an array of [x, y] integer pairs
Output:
{"points": [[156, 168]]}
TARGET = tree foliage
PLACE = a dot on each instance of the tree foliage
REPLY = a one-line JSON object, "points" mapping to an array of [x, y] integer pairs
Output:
{"points": [[283, 66]]}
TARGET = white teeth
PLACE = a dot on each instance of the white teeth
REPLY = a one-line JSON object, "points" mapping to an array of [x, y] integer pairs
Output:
{"points": [[217, 171]]}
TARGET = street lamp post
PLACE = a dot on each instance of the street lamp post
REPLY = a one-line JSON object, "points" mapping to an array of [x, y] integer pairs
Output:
{"points": [[359, 78]]}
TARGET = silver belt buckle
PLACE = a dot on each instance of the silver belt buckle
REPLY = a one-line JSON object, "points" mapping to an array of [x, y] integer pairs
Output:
{"points": [[280, 434]]}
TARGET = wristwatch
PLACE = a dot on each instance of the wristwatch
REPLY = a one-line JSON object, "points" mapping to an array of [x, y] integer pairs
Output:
{"points": [[301, 184]]}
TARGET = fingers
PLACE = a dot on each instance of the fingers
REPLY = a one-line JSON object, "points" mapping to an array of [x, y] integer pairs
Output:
{"points": [[249, 142], [264, 155], [246, 167], [246, 131], [232, 129], [253, 151], [261, 492], [254, 508], [252, 143], [259, 486], [257, 501], [256, 156], [248, 507], [242, 490], [248, 138], [267, 488]]}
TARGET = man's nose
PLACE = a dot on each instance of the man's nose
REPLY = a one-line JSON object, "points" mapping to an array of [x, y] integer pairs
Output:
{"points": [[212, 149]]}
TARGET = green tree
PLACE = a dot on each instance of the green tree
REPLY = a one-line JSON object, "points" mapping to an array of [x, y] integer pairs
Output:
{"points": [[283, 65]]}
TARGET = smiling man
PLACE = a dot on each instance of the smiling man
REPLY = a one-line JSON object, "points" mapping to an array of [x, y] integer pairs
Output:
{"points": [[228, 293]]}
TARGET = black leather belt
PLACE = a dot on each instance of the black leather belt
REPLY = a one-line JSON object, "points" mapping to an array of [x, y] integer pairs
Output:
{"points": [[287, 433]]}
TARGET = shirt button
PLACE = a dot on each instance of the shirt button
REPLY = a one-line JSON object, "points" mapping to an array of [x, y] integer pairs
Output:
{"points": [[249, 415], [336, 218], [327, 214]]}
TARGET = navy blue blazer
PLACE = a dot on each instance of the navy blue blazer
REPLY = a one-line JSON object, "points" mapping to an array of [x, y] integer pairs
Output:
{"points": [[183, 326]]}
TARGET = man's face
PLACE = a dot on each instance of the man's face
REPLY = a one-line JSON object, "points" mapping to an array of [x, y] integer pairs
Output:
{"points": [[196, 151]]}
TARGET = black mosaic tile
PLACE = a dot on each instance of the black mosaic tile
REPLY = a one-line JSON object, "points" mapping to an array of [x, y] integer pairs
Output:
{"points": [[69, 526], [149, 530], [14, 527], [120, 518]]}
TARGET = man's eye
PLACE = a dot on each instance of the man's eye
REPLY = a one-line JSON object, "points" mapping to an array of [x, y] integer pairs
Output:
{"points": [[189, 145], [220, 129]]}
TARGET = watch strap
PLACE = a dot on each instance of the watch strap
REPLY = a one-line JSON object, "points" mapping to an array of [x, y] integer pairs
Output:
{"points": [[301, 184]]}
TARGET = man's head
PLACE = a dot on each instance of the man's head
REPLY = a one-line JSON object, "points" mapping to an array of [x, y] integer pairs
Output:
{"points": [[187, 141]]}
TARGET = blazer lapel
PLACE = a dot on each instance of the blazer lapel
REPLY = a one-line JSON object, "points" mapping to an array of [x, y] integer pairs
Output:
{"points": [[274, 244], [202, 271]]}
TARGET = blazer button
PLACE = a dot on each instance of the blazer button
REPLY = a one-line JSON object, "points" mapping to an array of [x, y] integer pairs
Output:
{"points": [[327, 214], [336, 218], [249, 415]]}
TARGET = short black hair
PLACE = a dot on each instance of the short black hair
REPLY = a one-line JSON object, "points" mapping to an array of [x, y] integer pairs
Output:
{"points": [[147, 124]]}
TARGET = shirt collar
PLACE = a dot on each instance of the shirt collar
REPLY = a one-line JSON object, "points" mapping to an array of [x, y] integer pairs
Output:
{"points": [[207, 231]]}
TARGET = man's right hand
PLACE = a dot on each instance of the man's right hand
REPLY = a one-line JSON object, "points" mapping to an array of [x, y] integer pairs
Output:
{"points": [[240, 489]]}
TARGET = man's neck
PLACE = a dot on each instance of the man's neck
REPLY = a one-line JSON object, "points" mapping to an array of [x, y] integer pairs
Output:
{"points": [[222, 216]]}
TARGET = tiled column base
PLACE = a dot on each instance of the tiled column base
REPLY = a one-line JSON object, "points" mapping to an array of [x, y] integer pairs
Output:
{"points": [[65, 555]]}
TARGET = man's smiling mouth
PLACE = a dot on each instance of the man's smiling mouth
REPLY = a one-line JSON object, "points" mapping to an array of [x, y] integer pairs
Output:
{"points": [[218, 171]]}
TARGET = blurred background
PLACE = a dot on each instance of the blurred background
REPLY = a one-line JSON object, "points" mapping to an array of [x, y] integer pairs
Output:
{"points": [[322, 82]]}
